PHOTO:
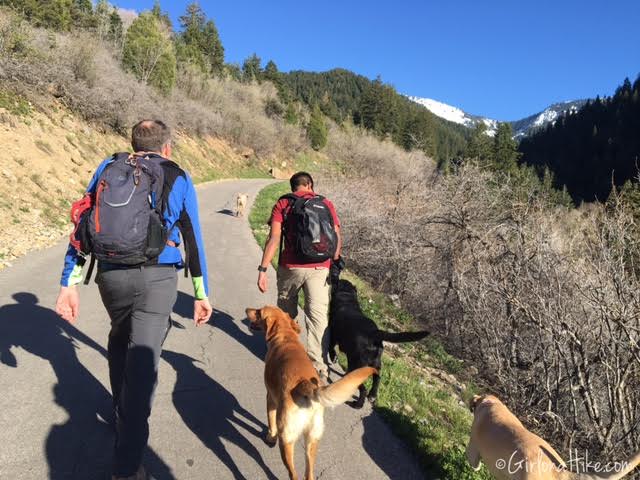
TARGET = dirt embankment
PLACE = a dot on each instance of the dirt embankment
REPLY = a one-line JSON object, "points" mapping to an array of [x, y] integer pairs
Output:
{"points": [[48, 159]]}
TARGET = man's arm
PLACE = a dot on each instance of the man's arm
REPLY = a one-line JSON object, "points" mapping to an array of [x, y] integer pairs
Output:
{"points": [[192, 235], [68, 302], [339, 245], [270, 249]]}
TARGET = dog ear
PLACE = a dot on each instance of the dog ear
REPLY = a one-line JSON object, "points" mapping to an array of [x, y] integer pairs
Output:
{"points": [[268, 322], [474, 402]]}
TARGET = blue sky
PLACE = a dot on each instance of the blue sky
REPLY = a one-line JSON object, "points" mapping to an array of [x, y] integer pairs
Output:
{"points": [[497, 58]]}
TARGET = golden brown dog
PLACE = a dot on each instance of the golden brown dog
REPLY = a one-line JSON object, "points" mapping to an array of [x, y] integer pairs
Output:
{"points": [[511, 452], [295, 398]]}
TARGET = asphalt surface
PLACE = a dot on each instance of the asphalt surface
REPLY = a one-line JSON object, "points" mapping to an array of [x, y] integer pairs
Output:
{"points": [[209, 413]]}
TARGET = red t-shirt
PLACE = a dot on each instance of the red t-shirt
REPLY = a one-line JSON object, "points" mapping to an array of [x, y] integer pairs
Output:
{"points": [[288, 259]]}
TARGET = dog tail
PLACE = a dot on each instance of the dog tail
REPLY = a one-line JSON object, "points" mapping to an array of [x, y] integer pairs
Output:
{"points": [[625, 468], [401, 336], [342, 390]]}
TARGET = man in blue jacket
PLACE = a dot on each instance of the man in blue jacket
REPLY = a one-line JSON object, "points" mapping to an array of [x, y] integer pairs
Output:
{"points": [[139, 300]]}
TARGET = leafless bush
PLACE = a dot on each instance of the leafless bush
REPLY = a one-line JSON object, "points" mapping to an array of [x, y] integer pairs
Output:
{"points": [[544, 300], [85, 75]]}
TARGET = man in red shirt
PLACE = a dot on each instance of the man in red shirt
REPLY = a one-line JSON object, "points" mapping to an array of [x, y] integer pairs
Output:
{"points": [[295, 274]]}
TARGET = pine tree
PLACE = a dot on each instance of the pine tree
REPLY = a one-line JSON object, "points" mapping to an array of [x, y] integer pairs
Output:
{"points": [[251, 69], [480, 146], [212, 47], [199, 42], [102, 18], [82, 14], [149, 53], [116, 29], [505, 150], [317, 129], [55, 14], [163, 17]]}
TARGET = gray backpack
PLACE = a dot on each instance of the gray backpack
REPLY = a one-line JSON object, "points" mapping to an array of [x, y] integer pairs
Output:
{"points": [[125, 225]]}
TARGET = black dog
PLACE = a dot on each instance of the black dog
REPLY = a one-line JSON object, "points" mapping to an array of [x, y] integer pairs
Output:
{"points": [[358, 336]]}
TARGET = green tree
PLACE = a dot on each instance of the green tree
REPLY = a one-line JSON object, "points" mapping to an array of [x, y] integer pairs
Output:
{"points": [[82, 14], [480, 146], [102, 18], [149, 53], [163, 17], [199, 42], [116, 29], [212, 47], [251, 68], [291, 114], [317, 129], [54, 14], [378, 109], [505, 150]]}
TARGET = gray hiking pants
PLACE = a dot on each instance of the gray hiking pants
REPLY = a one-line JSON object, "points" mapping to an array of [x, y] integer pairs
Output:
{"points": [[139, 302]]}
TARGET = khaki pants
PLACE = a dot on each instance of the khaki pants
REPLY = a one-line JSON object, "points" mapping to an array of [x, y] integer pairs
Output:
{"points": [[315, 284]]}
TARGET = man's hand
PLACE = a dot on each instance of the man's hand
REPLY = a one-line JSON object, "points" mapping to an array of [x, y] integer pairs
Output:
{"points": [[68, 303], [262, 282], [202, 311]]}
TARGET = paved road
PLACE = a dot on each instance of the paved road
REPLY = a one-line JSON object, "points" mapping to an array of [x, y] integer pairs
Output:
{"points": [[209, 412]]}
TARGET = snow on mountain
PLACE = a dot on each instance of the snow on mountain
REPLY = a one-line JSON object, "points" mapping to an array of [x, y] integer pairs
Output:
{"points": [[526, 126], [521, 128], [445, 111]]}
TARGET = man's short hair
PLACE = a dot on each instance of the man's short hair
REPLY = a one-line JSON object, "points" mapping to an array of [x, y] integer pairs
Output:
{"points": [[300, 179], [150, 136]]}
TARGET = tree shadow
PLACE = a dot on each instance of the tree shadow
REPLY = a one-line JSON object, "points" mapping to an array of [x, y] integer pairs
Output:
{"points": [[213, 414], [254, 342], [80, 448]]}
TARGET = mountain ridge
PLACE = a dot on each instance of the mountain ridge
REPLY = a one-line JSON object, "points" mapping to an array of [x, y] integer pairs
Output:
{"points": [[521, 128]]}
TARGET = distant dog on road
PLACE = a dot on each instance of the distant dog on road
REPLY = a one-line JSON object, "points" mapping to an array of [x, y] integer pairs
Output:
{"points": [[241, 203], [295, 397], [511, 452], [358, 337]]}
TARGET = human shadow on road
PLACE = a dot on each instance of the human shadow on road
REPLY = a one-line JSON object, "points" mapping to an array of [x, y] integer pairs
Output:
{"points": [[80, 448], [213, 414], [254, 342]]}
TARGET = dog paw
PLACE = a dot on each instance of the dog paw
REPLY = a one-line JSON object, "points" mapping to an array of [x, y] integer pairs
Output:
{"points": [[356, 404], [373, 400], [271, 440]]}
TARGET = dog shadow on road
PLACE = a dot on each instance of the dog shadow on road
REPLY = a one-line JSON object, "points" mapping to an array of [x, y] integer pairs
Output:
{"points": [[226, 211], [393, 464], [81, 447], [254, 342], [213, 414]]}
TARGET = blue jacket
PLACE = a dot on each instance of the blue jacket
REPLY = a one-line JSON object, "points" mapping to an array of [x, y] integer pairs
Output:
{"points": [[181, 219]]}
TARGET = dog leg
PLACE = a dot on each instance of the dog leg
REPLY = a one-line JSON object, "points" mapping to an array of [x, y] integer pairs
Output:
{"points": [[358, 404], [272, 434], [311, 445], [286, 452], [473, 456], [373, 393]]}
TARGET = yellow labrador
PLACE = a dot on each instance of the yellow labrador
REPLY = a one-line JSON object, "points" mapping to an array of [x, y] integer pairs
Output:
{"points": [[241, 204], [511, 452]]}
